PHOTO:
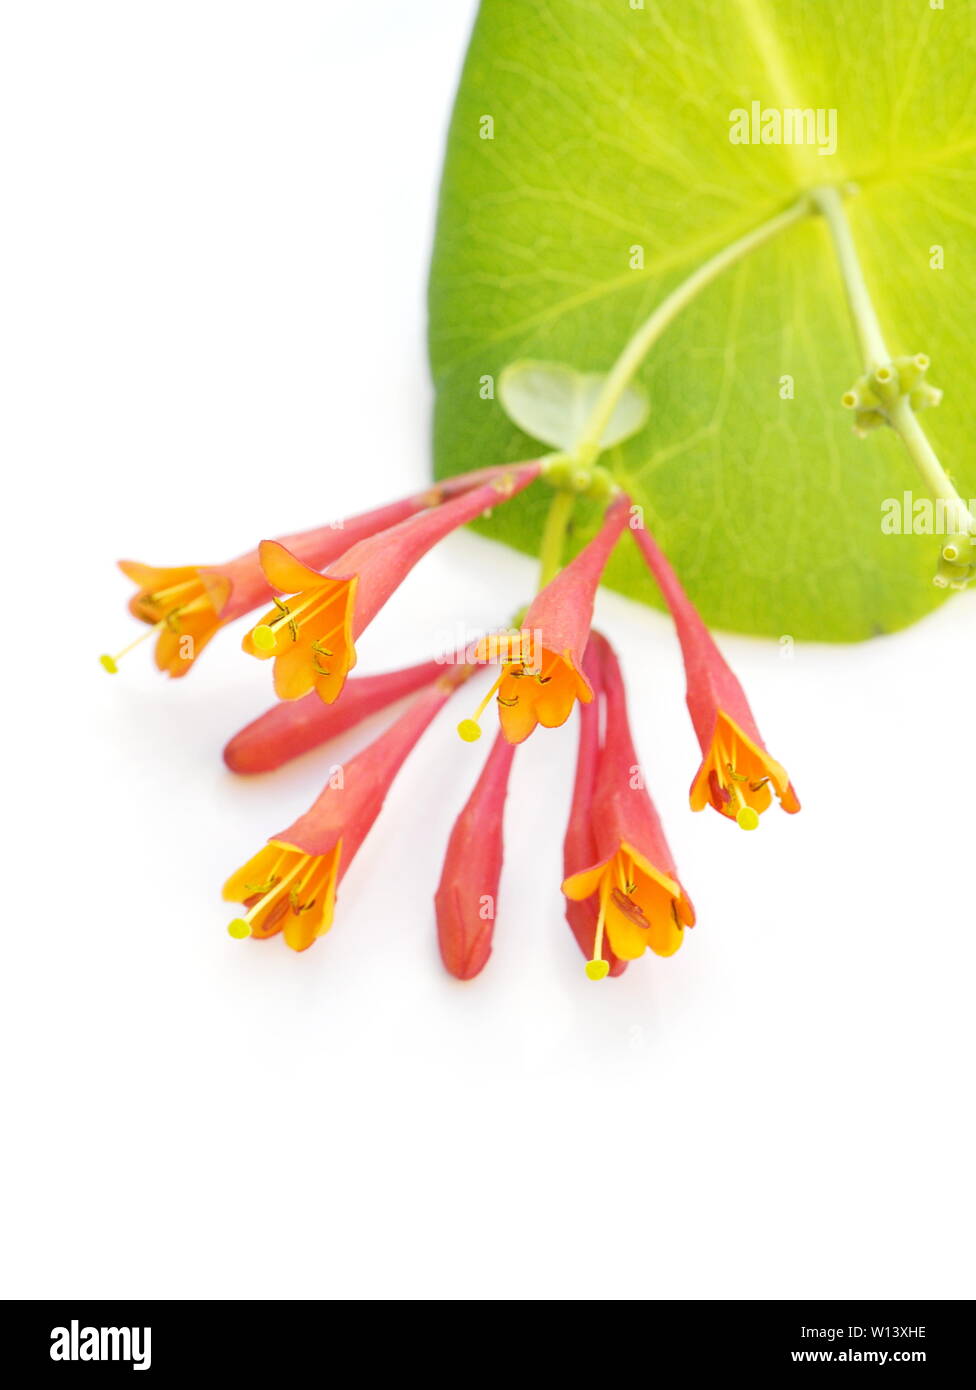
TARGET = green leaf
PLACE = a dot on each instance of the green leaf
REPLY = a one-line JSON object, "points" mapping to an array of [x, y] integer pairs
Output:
{"points": [[552, 402], [610, 177]]}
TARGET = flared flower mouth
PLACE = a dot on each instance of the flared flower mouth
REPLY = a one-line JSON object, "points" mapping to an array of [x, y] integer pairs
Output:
{"points": [[182, 606], [640, 908], [539, 687], [309, 634], [544, 679], [285, 890], [738, 777]]}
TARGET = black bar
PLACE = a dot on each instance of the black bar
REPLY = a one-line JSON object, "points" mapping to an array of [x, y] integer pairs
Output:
{"points": [[280, 1339]]}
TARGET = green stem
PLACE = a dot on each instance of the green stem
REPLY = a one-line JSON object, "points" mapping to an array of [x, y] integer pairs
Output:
{"points": [[554, 535], [916, 441], [900, 414], [873, 348], [651, 329]]}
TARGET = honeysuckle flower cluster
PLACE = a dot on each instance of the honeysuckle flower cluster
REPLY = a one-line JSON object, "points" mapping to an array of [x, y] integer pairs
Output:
{"points": [[321, 590]]}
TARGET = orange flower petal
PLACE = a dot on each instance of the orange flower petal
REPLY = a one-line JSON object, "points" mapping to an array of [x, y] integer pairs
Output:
{"points": [[283, 572]]}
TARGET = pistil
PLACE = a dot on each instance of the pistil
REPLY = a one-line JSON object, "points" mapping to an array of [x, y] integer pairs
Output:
{"points": [[598, 968], [470, 729]]}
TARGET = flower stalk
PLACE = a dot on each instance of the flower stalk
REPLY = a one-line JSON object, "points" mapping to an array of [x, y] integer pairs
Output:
{"points": [[890, 391], [554, 534]]}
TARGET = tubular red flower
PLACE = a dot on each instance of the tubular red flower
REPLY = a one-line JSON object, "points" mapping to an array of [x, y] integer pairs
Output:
{"points": [[290, 885], [545, 682], [312, 636], [640, 901], [737, 771], [467, 895], [293, 727], [579, 846], [187, 604]]}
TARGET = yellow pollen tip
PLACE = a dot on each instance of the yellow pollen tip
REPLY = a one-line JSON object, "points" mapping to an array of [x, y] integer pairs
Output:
{"points": [[263, 638], [746, 818], [107, 663], [597, 969], [469, 730], [239, 929]]}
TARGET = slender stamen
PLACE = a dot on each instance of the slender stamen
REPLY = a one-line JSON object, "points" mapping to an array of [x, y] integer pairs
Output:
{"points": [[288, 614], [625, 870], [261, 888], [470, 729], [597, 968], [298, 892], [159, 597], [319, 649]]}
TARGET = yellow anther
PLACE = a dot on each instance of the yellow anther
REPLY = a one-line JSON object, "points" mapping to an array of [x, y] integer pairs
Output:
{"points": [[108, 664], [597, 969], [747, 818], [263, 638], [239, 929]]}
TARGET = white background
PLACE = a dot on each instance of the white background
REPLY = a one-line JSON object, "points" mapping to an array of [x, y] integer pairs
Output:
{"points": [[215, 238]]}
